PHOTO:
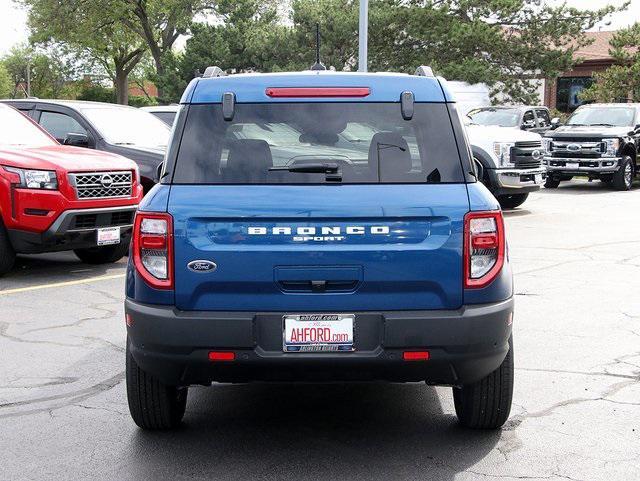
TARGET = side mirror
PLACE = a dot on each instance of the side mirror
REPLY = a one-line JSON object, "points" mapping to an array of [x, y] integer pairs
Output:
{"points": [[555, 123], [77, 140], [158, 175]]}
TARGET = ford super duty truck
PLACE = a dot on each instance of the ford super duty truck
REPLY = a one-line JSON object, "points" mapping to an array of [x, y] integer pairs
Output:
{"points": [[319, 226], [600, 141], [508, 159]]}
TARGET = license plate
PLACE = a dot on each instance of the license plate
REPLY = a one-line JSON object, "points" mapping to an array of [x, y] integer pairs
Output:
{"points": [[538, 179], [318, 332], [572, 165], [108, 236]]}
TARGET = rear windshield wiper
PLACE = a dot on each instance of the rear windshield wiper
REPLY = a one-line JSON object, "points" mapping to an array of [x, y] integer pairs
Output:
{"points": [[332, 170], [310, 168]]}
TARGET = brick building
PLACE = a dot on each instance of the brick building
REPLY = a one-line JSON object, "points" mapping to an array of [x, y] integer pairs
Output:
{"points": [[562, 93]]}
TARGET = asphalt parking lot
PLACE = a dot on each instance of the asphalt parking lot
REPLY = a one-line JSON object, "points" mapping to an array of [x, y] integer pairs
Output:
{"points": [[576, 411]]}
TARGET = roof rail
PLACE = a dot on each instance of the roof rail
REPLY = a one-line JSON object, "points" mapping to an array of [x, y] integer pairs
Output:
{"points": [[213, 71], [424, 71]]}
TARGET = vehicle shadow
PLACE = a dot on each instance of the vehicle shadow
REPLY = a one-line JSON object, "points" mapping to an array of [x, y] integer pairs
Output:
{"points": [[312, 431], [54, 267]]}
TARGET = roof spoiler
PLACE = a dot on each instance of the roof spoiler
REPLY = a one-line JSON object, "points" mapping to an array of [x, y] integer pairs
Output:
{"points": [[213, 71], [424, 71]]}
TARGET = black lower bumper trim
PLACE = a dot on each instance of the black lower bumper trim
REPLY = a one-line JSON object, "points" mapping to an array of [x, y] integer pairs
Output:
{"points": [[464, 345]]}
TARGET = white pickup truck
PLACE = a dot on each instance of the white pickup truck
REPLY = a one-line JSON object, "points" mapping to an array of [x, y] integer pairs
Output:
{"points": [[508, 160]]}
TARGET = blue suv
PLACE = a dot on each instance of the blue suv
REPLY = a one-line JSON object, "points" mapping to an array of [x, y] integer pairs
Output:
{"points": [[319, 226]]}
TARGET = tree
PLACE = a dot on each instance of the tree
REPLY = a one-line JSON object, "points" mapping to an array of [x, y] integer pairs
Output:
{"points": [[91, 28], [620, 82], [44, 74], [6, 85], [159, 23], [503, 43]]}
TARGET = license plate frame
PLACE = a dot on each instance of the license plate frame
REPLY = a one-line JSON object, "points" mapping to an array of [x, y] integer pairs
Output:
{"points": [[323, 324], [106, 236], [572, 165]]}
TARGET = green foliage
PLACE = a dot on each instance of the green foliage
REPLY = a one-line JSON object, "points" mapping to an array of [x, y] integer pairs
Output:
{"points": [[6, 85], [48, 74], [620, 82], [99, 93]]}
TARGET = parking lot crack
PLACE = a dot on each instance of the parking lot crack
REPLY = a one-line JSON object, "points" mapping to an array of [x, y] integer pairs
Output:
{"points": [[4, 327]]}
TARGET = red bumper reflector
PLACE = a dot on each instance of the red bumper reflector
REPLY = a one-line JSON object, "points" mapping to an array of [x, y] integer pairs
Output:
{"points": [[222, 356], [291, 92], [415, 355], [128, 320]]}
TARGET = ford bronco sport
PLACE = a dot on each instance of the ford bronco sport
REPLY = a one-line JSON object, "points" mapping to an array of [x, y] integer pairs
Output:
{"points": [[319, 226]]}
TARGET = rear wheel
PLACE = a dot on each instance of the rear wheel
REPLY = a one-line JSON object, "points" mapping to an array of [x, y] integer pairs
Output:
{"points": [[486, 403], [552, 183], [152, 404], [623, 178], [102, 254], [512, 201], [7, 254]]}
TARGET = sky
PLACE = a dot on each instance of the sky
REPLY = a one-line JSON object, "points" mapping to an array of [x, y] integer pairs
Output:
{"points": [[13, 27]]}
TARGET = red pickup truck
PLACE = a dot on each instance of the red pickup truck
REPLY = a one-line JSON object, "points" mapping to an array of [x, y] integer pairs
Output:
{"points": [[55, 197]]}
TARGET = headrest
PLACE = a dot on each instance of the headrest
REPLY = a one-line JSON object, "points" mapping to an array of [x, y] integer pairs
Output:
{"points": [[394, 154], [249, 161]]}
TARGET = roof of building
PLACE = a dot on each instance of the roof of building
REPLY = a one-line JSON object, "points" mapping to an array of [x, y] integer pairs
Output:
{"points": [[383, 87], [599, 49]]}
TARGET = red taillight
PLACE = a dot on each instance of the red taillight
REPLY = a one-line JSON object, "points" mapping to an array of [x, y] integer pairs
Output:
{"points": [[293, 92], [415, 355], [222, 356], [484, 247], [153, 249]]}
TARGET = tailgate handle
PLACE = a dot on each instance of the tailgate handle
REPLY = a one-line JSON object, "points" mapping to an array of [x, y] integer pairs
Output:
{"points": [[318, 279], [318, 286]]}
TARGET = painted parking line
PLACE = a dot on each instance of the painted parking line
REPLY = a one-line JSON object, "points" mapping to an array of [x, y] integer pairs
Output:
{"points": [[62, 284]]}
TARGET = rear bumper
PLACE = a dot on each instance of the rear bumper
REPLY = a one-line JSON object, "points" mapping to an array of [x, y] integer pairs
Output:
{"points": [[74, 229], [464, 345]]}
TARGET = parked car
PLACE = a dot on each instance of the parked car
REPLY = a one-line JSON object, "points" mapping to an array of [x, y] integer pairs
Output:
{"points": [[524, 117], [375, 258], [508, 161], [601, 141], [57, 198], [112, 128], [166, 113]]}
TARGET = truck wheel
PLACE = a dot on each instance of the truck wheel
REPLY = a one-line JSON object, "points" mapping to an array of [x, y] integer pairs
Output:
{"points": [[152, 404], [7, 254], [551, 183], [102, 254], [486, 404], [623, 178], [512, 201]]}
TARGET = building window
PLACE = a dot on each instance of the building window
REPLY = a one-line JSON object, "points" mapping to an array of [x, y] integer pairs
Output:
{"points": [[567, 99]]}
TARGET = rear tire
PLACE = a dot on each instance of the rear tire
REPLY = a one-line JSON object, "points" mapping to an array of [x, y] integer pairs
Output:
{"points": [[486, 404], [7, 254], [103, 254], [512, 201], [551, 183], [623, 178], [152, 404]]}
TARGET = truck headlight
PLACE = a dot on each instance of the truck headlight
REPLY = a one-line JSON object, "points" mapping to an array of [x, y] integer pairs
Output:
{"points": [[35, 179], [503, 152], [611, 147]]}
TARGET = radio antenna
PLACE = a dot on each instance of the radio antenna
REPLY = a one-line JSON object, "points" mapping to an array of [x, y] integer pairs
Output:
{"points": [[318, 65]]}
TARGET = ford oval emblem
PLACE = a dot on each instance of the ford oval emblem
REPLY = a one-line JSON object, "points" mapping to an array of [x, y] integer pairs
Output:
{"points": [[574, 147], [202, 266]]}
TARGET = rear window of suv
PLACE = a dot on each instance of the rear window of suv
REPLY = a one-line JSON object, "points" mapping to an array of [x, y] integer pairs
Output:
{"points": [[368, 142]]}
